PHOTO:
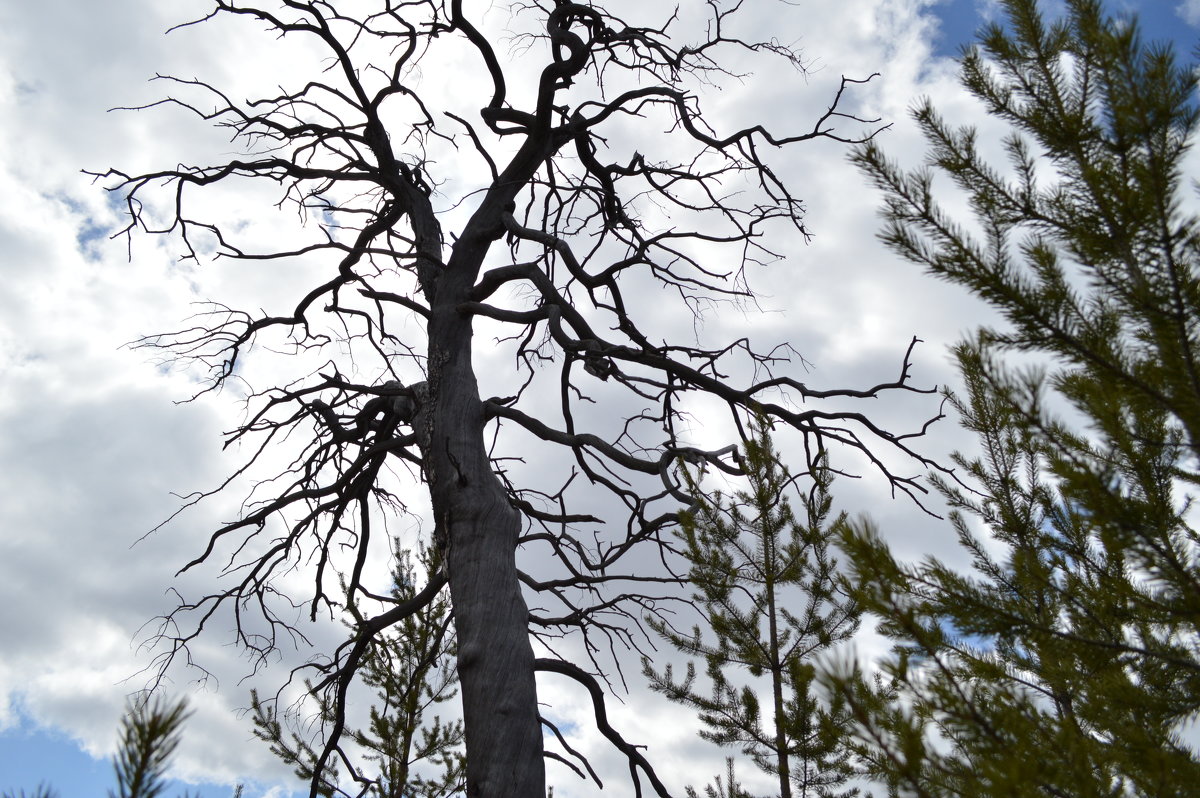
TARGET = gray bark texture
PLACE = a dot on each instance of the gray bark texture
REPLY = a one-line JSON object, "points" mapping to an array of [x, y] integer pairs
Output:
{"points": [[566, 215], [480, 530]]}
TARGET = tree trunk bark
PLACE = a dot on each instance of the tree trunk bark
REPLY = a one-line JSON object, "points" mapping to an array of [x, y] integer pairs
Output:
{"points": [[478, 529], [783, 759]]}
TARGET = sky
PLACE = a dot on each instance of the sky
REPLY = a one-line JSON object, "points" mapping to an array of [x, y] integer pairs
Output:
{"points": [[95, 448]]}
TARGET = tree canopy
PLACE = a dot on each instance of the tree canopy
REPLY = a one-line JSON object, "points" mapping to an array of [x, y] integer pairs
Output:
{"points": [[1066, 661]]}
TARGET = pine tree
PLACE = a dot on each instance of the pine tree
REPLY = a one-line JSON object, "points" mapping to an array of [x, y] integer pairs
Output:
{"points": [[411, 671], [1067, 661], [150, 733], [766, 587]]}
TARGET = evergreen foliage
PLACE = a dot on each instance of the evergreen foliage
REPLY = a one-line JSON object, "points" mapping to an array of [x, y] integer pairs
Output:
{"points": [[411, 670], [767, 590], [1067, 662], [150, 733]]}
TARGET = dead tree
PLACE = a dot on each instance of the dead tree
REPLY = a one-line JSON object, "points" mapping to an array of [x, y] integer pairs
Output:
{"points": [[557, 237]]}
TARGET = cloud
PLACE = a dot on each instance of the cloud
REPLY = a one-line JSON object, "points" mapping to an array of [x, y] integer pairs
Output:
{"points": [[1189, 11]]}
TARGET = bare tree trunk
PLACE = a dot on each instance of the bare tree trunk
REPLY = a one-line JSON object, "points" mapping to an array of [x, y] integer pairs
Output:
{"points": [[495, 659], [478, 528]]}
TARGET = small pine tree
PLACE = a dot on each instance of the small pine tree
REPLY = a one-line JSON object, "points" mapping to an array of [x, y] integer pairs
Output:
{"points": [[411, 670], [150, 733], [1067, 661], [766, 586]]}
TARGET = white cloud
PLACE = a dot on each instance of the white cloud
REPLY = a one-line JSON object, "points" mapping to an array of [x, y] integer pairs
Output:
{"points": [[1189, 11], [988, 9]]}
